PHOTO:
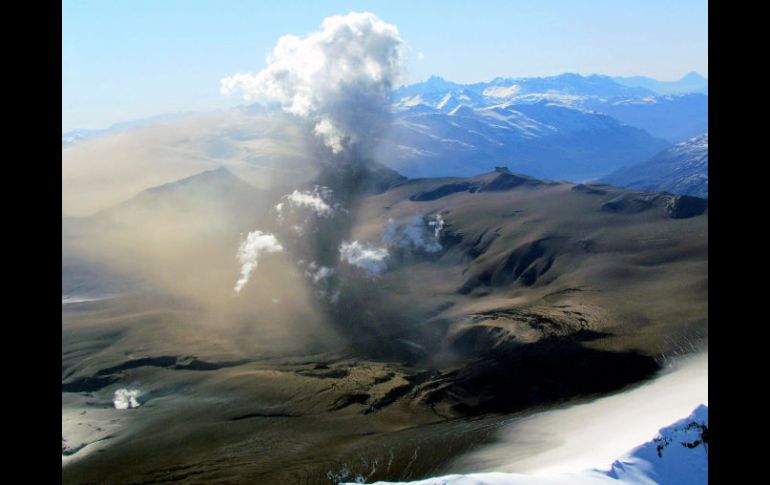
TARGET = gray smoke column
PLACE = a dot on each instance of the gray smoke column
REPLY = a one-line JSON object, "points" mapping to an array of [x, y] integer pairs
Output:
{"points": [[339, 77]]}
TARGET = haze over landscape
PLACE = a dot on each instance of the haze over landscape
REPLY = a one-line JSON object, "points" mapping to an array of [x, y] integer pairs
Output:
{"points": [[340, 273]]}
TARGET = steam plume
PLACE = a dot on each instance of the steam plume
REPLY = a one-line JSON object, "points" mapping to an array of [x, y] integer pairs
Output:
{"points": [[251, 248], [420, 234], [315, 200], [126, 398], [369, 258], [339, 77]]}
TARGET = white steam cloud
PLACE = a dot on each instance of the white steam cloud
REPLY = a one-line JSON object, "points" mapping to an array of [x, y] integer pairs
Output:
{"points": [[339, 77], [126, 398], [369, 258], [420, 234], [437, 223], [315, 200], [249, 251]]}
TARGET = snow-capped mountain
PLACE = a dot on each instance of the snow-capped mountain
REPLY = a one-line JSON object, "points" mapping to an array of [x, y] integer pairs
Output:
{"points": [[677, 455], [567, 83], [568, 126], [681, 169], [544, 135], [565, 127]]}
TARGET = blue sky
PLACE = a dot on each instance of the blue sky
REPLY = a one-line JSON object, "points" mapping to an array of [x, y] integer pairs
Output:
{"points": [[131, 59]]}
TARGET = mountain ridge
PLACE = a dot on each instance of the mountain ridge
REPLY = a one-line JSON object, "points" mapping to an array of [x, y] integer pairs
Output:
{"points": [[681, 169]]}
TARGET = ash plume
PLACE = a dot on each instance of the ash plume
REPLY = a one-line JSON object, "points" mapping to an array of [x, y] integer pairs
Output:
{"points": [[318, 273], [322, 278], [337, 84]]}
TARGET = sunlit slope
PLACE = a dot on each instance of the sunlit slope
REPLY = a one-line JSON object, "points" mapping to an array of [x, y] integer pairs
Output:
{"points": [[265, 149], [540, 292]]}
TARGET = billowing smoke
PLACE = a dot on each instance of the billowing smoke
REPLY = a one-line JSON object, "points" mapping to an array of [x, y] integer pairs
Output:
{"points": [[339, 77], [369, 258], [126, 398], [249, 251], [420, 234], [318, 200]]}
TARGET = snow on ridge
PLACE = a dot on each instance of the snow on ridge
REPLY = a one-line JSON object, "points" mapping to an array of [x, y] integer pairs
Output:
{"points": [[699, 142], [636, 100], [462, 110], [501, 91], [695, 147], [410, 101], [444, 101], [677, 455], [560, 99]]}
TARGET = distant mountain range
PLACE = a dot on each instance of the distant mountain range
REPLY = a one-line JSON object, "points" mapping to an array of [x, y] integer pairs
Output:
{"points": [[74, 136], [674, 111], [565, 127], [674, 118], [540, 137], [681, 169], [691, 82], [500, 87]]}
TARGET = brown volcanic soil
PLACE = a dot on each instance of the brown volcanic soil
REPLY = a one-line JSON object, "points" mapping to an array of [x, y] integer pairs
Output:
{"points": [[544, 292]]}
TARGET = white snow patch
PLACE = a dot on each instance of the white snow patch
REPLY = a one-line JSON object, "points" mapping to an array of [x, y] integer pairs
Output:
{"points": [[581, 444], [501, 91], [677, 455], [447, 97], [410, 101]]}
